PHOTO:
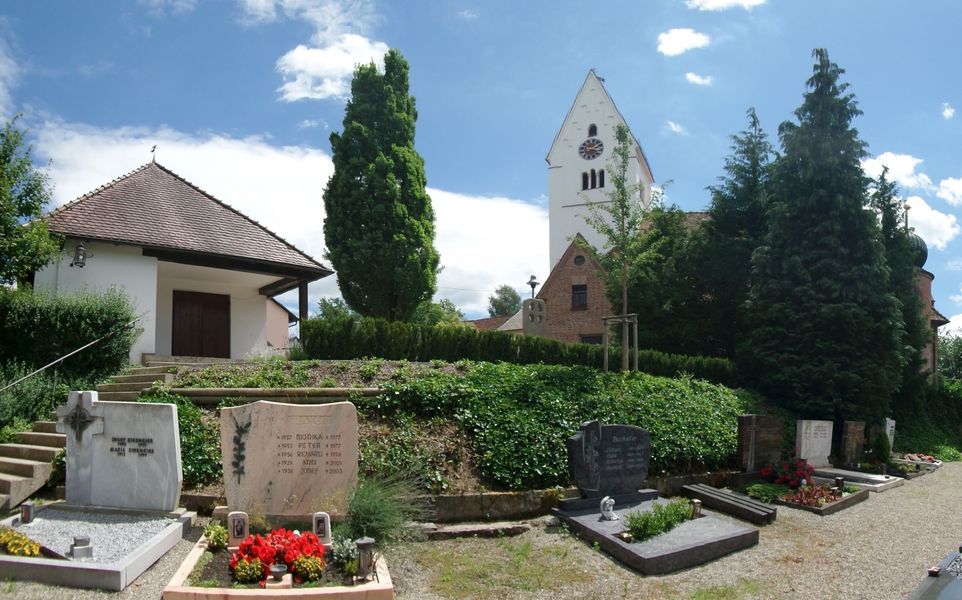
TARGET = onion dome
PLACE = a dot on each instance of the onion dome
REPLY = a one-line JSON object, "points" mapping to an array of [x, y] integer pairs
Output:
{"points": [[920, 252]]}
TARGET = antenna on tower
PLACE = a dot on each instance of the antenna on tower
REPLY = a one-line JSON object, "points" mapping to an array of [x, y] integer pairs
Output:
{"points": [[153, 157], [906, 213]]}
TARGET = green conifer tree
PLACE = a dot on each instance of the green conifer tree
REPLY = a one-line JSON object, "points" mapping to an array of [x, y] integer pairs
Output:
{"points": [[827, 333], [379, 228]]}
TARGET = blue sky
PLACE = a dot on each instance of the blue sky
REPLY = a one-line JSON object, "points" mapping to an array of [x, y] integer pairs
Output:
{"points": [[241, 95]]}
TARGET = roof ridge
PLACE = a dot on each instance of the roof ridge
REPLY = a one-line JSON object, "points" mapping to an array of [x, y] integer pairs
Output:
{"points": [[234, 210], [97, 190]]}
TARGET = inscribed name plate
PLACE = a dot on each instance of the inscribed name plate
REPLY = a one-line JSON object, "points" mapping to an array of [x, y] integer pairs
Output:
{"points": [[289, 459], [121, 454], [813, 442], [606, 460]]}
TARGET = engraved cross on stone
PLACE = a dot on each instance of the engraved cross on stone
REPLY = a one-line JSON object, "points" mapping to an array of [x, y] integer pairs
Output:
{"points": [[81, 415]]}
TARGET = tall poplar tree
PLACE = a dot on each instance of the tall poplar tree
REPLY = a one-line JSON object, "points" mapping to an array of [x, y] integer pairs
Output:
{"points": [[379, 228], [826, 340], [734, 228]]}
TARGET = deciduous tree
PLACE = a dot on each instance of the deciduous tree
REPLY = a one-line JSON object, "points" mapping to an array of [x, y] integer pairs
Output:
{"points": [[505, 301]]}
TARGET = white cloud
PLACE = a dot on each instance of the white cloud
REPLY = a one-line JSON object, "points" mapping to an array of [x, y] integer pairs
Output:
{"points": [[468, 15], [714, 5], [676, 128], [9, 74], [323, 68], [698, 79], [936, 228], [280, 187], [954, 265], [954, 326], [319, 73], [677, 41], [901, 170], [947, 111], [159, 8], [311, 124], [950, 190]]}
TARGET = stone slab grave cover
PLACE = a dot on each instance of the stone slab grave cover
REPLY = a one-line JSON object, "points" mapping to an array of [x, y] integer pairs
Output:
{"points": [[289, 459], [813, 442], [121, 454], [612, 460], [759, 441], [853, 442]]}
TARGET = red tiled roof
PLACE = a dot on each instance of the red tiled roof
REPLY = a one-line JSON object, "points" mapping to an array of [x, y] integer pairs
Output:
{"points": [[154, 207], [489, 323]]}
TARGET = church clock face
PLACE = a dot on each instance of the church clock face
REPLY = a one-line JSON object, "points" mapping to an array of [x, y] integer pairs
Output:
{"points": [[591, 148]]}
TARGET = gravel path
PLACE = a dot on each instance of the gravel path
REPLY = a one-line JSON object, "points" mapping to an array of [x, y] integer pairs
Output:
{"points": [[878, 549]]}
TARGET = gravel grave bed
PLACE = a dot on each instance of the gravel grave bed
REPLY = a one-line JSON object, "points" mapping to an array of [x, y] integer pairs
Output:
{"points": [[113, 536]]}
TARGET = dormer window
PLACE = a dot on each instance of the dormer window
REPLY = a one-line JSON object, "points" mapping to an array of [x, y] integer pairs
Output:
{"points": [[592, 130]]}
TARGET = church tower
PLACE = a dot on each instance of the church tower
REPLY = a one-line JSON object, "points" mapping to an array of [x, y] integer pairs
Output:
{"points": [[578, 166]]}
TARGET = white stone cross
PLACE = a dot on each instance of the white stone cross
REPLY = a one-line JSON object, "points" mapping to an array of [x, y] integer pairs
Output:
{"points": [[82, 417]]}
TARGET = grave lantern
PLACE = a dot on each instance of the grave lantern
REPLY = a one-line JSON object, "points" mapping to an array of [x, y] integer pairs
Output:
{"points": [[365, 557]]}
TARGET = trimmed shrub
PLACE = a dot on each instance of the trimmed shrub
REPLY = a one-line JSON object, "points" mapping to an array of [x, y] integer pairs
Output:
{"points": [[37, 328], [661, 519], [395, 340]]}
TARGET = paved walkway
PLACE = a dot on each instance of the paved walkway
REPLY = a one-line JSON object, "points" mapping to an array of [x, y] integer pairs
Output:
{"points": [[878, 549]]}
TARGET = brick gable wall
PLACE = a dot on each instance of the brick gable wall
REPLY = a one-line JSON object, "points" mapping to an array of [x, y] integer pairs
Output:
{"points": [[561, 322]]}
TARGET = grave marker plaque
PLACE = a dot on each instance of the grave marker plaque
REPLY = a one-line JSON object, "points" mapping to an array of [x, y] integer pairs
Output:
{"points": [[853, 442], [813, 442], [890, 431], [121, 454], [289, 459], [606, 460], [759, 441]]}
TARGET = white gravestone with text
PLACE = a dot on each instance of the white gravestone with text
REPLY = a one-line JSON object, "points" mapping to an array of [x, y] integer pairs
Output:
{"points": [[121, 454], [289, 459], [813, 442], [890, 431]]}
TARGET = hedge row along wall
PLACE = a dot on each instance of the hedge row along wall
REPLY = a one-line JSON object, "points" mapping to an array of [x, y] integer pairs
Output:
{"points": [[348, 339]]}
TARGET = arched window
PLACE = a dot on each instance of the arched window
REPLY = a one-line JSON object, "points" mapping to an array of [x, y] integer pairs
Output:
{"points": [[594, 179], [601, 178], [592, 130], [584, 181]]}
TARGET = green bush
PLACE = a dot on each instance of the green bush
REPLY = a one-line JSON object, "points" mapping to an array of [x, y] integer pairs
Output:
{"points": [[767, 492], [661, 519], [517, 417], [37, 328], [216, 535], [199, 439], [346, 339], [932, 421], [381, 507], [35, 398]]}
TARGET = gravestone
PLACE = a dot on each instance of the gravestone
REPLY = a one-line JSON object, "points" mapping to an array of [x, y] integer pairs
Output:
{"points": [[238, 528], [289, 459], [533, 316], [121, 454], [890, 431], [759, 441], [322, 527], [813, 442], [609, 460], [853, 442]]}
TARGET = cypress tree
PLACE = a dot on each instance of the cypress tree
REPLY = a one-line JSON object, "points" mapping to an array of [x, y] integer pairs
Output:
{"points": [[826, 340], [379, 228]]}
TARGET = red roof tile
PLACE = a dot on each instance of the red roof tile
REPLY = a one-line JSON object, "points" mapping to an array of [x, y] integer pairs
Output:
{"points": [[154, 207], [489, 323]]}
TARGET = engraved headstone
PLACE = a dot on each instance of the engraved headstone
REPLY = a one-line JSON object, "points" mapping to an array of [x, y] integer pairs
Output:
{"points": [[533, 316], [890, 431], [238, 528], [322, 527], [759, 441], [853, 442], [606, 460], [121, 454], [813, 442], [289, 459]]}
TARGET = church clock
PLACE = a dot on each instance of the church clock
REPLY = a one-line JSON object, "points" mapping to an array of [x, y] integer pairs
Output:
{"points": [[591, 148]]}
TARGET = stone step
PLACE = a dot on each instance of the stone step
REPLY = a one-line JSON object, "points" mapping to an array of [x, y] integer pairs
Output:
{"points": [[29, 451], [51, 440], [104, 388], [152, 360], [17, 488], [118, 396], [25, 467], [145, 379], [148, 370], [45, 426]]}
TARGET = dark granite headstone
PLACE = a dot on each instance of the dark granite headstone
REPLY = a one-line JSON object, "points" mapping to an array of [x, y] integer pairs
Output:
{"points": [[759, 441], [853, 442], [608, 460]]}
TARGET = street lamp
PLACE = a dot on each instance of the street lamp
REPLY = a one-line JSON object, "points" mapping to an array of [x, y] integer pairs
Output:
{"points": [[533, 282]]}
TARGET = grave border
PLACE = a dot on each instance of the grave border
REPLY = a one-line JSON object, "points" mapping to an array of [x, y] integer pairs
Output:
{"points": [[830, 508]]}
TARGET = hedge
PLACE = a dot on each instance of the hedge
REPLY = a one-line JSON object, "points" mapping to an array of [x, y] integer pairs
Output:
{"points": [[394, 340], [37, 328], [518, 416]]}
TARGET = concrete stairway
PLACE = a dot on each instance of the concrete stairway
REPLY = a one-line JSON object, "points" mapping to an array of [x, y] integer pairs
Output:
{"points": [[127, 387], [165, 360], [25, 465]]}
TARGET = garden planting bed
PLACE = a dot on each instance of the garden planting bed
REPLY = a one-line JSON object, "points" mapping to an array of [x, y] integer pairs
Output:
{"points": [[179, 588], [846, 501]]}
